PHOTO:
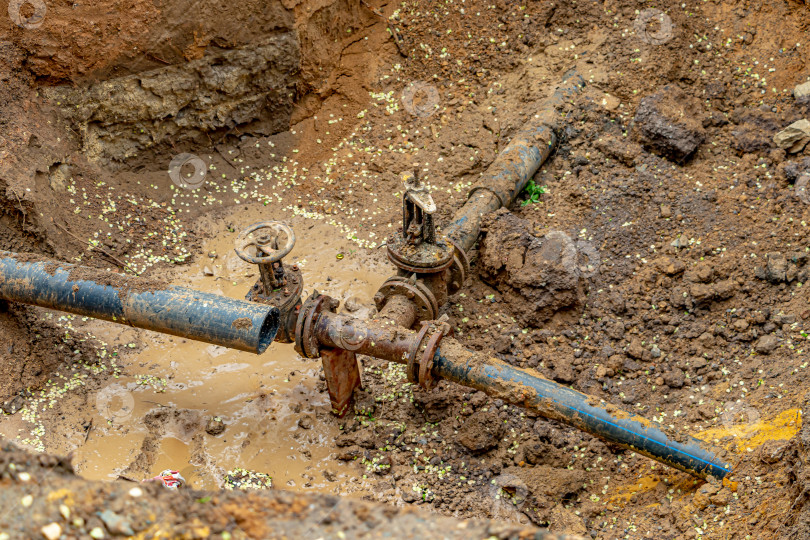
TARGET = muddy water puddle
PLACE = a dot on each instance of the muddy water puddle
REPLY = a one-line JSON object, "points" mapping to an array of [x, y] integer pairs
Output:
{"points": [[276, 420]]}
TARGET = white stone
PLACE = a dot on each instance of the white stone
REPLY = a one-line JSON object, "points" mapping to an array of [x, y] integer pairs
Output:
{"points": [[794, 137], [52, 531], [802, 91]]}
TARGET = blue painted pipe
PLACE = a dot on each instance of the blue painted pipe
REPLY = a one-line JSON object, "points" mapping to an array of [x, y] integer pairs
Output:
{"points": [[138, 302], [551, 400]]}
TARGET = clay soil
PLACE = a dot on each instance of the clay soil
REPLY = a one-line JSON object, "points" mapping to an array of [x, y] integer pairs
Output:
{"points": [[695, 313]]}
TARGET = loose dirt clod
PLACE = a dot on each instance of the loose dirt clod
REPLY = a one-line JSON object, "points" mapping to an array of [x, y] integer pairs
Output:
{"points": [[537, 276], [242, 323]]}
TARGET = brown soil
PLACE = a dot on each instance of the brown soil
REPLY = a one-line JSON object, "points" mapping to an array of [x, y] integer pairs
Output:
{"points": [[694, 316], [66, 504], [242, 323]]}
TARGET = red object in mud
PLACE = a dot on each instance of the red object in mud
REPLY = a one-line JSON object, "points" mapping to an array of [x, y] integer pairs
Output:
{"points": [[171, 479]]}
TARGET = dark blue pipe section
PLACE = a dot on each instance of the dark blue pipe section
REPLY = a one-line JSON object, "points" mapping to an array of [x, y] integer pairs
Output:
{"points": [[134, 301], [551, 400]]}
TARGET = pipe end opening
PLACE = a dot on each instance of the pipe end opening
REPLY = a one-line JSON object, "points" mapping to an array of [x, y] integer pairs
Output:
{"points": [[268, 330]]}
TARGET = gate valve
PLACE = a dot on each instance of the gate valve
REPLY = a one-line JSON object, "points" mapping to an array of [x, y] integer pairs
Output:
{"points": [[416, 249], [261, 244], [418, 209]]}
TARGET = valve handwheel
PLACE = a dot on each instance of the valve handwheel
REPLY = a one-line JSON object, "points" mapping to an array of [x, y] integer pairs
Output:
{"points": [[263, 237], [265, 244]]}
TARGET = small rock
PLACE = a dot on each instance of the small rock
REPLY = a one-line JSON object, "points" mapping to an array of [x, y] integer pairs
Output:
{"points": [[59, 177], [563, 372], [679, 242], [601, 372], [670, 266], [740, 325], [701, 498], [207, 271], [783, 318], [776, 269], [409, 496], [674, 379], [215, 426], [482, 430], [766, 344], [794, 137], [51, 531], [610, 103], [655, 352], [630, 366], [305, 422], [666, 211], [353, 304], [615, 330], [13, 405], [698, 363], [795, 170], [802, 91], [721, 498], [668, 124], [773, 451], [115, 523], [635, 349]]}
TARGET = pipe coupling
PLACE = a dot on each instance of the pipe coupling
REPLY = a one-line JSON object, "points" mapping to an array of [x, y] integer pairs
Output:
{"points": [[420, 355]]}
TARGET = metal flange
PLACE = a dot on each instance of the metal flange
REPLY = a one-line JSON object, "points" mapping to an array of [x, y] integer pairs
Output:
{"points": [[420, 355], [459, 270], [423, 258], [427, 308], [306, 344]]}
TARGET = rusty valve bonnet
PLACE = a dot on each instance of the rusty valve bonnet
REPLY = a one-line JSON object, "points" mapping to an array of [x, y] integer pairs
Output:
{"points": [[417, 249]]}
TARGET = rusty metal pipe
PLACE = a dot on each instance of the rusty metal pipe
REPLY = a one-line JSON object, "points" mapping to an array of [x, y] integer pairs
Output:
{"points": [[466, 225], [400, 310], [508, 175], [137, 302], [528, 389], [380, 338], [525, 388]]}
